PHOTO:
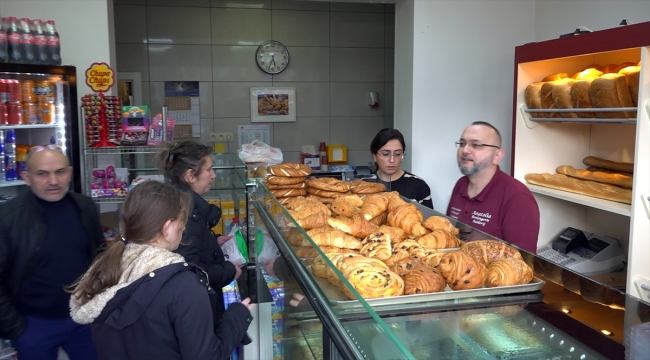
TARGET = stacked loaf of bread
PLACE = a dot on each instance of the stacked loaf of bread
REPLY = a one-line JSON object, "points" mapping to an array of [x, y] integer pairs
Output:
{"points": [[287, 180], [610, 86], [603, 179], [482, 263]]}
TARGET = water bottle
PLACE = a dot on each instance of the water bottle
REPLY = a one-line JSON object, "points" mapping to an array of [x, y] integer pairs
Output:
{"points": [[2, 155]]}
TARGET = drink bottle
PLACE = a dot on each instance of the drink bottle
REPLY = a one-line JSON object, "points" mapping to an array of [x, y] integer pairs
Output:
{"points": [[53, 43], [27, 39], [3, 44], [40, 43], [14, 44]]}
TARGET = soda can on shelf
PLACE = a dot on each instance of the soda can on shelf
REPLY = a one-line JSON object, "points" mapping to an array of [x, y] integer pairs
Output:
{"points": [[13, 89], [27, 90], [14, 113], [30, 113], [47, 113], [44, 91], [4, 91], [3, 114]]}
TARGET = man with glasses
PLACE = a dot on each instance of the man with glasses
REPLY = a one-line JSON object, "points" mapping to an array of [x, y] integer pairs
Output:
{"points": [[48, 238], [488, 199]]}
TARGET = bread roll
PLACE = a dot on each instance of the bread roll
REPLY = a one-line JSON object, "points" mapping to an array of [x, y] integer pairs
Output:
{"points": [[610, 69], [596, 66], [588, 74], [533, 98], [260, 172], [583, 187], [623, 66], [611, 91], [624, 181], [631, 74], [562, 98], [608, 164], [556, 76], [580, 97]]}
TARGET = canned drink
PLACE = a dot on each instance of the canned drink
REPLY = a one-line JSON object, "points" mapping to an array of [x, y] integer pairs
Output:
{"points": [[14, 113], [3, 114], [27, 87], [44, 91], [30, 113], [47, 113], [4, 91], [13, 88]]}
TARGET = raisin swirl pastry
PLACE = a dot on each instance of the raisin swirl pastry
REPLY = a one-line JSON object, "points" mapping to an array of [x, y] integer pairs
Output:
{"points": [[347, 265], [374, 282], [376, 245]]}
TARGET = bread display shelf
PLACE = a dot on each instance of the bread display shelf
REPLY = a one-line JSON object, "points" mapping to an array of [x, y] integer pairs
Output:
{"points": [[337, 298], [528, 118], [606, 205]]}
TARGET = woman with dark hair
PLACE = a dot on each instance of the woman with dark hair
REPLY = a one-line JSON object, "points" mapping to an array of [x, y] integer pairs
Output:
{"points": [[188, 166], [388, 149], [145, 302]]}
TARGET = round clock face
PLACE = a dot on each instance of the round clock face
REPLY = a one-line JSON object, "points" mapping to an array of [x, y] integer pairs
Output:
{"points": [[272, 57]]}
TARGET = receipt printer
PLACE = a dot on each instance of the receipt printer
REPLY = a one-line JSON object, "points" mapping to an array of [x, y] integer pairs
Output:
{"points": [[569, 239]]}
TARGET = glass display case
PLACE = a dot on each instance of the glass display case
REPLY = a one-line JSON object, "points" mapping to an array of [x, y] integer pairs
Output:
{"points": [[568, 317]]}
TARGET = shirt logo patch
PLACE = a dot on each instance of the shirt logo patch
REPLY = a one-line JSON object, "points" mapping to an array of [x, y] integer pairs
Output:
{"points": [[481, 218]]}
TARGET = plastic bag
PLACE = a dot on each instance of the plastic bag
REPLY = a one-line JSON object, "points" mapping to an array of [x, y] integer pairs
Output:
{"points": [[235, 249], [259, 152], [266, 249]]}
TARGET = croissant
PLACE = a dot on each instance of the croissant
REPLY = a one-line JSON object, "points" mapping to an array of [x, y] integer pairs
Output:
{"points": [[335, 238], [373, 206], [315, 220], [379, 219], [439, 239], [297, 201], [397, 235], [376, 245], [440, 222], [394, 200], [317, 230], [356, 225], [404, 266], [423, 280], [342, 207], [462, 271], [408, 218], [508, 271], [308, 252], [347, 265], [374, 282], [432, 257], [330, 274], [490, 250], [294, 237]]}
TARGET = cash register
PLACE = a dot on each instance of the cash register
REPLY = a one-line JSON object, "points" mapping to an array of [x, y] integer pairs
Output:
{"points": [[584, 252]]}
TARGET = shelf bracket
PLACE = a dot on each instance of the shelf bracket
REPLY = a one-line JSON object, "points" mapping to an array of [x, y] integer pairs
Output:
{"points": [[645, 200], [525, 116], [642, 287]]}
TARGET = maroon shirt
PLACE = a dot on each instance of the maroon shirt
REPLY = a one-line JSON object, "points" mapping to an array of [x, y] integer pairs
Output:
{"points": [[505, 209]]}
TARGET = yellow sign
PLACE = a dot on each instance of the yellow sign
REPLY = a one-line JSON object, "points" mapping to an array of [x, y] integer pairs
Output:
{"points": [[100, 77]]}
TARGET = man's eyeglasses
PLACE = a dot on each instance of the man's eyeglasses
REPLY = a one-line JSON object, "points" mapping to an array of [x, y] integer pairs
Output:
{"points": [[387, 154], [474, 146], [38, 148]]}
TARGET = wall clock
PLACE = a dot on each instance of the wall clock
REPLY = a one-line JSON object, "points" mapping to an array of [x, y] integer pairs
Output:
{"points": [[272, 57]]}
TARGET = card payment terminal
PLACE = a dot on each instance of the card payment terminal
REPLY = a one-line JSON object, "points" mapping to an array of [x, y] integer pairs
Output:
{"points": [[586, 253]]}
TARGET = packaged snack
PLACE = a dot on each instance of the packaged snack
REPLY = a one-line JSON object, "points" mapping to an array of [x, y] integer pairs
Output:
{"points": [[135, 125], [156, 130]]}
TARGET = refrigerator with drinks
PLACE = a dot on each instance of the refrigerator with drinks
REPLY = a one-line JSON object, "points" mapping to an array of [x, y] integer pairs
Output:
{"points": [[38, 107]]}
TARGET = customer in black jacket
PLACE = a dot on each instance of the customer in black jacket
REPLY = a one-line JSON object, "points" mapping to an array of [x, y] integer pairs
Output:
{"points": [[145, 302], [188, 166], [48, 238]]}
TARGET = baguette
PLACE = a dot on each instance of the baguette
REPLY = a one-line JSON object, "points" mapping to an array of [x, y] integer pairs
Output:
{"points": [[583, 187], [607, 171], [608, 164], [624, 181]]}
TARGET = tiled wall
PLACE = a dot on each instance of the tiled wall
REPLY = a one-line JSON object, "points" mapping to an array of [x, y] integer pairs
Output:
{"points": [[339, 52]]}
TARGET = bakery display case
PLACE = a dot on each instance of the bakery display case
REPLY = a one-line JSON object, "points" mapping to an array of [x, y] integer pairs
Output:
{"points": [[565, 137], [556, 320]]}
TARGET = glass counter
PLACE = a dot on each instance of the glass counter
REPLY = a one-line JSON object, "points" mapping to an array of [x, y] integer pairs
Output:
{"points": [[571, 317]]}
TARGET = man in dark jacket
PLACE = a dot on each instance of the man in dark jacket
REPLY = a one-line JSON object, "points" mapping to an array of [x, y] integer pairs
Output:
{"points": [[48, 238]]}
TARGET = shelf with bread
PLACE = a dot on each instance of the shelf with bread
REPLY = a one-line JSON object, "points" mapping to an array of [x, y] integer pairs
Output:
{"points": [[580, 134]]}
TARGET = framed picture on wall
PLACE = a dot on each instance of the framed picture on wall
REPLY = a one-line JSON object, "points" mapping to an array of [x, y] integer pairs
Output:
{"points": [[273, 104]]}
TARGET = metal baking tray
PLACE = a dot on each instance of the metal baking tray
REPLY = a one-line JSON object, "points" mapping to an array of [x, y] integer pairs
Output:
{"points": [[337, 298]]}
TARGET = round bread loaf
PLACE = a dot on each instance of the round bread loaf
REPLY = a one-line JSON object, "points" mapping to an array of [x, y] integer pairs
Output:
{"points": [[329, 184], [288, 192], [364, 187], [260, 172], [289, 170], [325, 193], [281, 180]]}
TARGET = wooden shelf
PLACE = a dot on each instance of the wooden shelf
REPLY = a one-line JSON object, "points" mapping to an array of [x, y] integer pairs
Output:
{"points": [[606, 205]]}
